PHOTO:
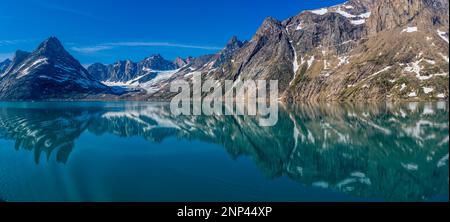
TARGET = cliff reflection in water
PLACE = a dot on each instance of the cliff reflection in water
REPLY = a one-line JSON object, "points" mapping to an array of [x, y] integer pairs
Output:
{"points": [[390, 151]]}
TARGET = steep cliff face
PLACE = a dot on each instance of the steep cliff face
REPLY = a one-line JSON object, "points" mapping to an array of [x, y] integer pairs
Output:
{"points": [[359, 50], [267, 55], [390, 14], [4, 65], [371, 50]]}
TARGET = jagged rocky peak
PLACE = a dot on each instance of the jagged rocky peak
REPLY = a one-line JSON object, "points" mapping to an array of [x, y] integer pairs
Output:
{"points": [[179, 62], [51, 45], [99, 71], [129, 64], [157, 62], [269, 26], [4, 65], [189, 59], [19, 56], [224, 56], [155, 57], [233, 44], [126, 70]]}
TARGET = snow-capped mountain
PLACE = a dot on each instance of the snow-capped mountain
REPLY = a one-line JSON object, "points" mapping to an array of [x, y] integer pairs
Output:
{"points": [[207, 65], [358, 50], [49, 72], [126, 71], [141, 75]]}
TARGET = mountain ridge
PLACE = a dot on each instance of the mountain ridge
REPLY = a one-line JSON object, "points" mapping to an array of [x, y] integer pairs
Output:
{"points": [[355, 51], [359, 50]]}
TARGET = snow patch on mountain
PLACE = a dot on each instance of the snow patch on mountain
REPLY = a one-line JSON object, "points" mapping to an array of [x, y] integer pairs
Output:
{"points": [[344, 13], [35, 64], [150, 86], [410, 29], [321, 11], [441, 95], [358, 22], [427, 90], [295, 64], [442, 35], [310, 61], [444, 57]]}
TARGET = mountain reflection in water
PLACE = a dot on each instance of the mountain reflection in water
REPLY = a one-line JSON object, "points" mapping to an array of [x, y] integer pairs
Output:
{"points": [[393, 152]]}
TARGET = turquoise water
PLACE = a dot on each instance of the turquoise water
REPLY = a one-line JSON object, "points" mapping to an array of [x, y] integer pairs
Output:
{"points": [[140, 152]]}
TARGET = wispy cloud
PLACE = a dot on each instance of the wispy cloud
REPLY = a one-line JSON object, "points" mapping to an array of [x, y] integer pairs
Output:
{"points": [[12, 42], [76, 12], [108, 46], [91, 49]]}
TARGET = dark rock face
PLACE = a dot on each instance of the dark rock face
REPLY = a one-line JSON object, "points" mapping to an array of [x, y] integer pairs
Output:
{"points": [[122, 71], [18, 58], [199, 62], [227, 52], [157, 63], [49, 72], [267, 56], [99, 71], [4, 65]]}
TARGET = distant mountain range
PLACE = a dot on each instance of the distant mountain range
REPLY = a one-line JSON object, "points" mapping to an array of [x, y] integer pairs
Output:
{"points": [[128, 71], [359, 50]]}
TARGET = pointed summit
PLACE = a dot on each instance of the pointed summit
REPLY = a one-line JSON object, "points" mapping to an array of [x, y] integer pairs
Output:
{"points": [[4, 65], [179, 62], [233, 43], [270, 25], [49, 72], [233, 40], [156, 62], [155, 56], [52, 44], [20, 55]]}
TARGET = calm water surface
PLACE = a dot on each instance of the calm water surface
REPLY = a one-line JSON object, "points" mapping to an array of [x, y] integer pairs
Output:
{"points": [[140, 152]]}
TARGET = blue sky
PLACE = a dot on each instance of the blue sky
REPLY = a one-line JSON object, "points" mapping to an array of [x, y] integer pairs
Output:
{"points": [[110, 30]]}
